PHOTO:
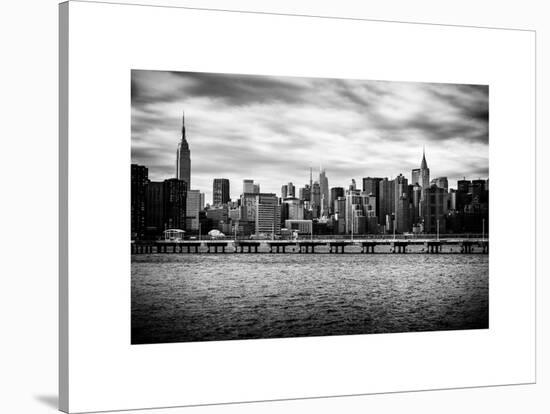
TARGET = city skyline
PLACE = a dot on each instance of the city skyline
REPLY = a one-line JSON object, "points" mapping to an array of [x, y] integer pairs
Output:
{"points": [[274, 148]]}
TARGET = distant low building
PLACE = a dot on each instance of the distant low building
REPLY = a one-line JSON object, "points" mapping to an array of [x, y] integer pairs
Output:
{"points": [[268, 214], [301, 226], [219, 215]]}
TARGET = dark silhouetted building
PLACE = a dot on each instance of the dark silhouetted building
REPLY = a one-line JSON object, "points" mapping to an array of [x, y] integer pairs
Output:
{"points": [[335, 192], [416, 200], [478, 191], [371, 185], [403, 214], [183, 158], [463, 196], [387, 203], [220, 191], [424, 173], [401, 188], [288, 190], [155, 209], [316, 199], [434, 210], [138, 188], [218, 215], [324, 201], [305, 193], [175, 201]]}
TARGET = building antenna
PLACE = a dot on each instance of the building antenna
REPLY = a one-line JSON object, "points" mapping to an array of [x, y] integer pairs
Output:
{"points": [[183, 137]]}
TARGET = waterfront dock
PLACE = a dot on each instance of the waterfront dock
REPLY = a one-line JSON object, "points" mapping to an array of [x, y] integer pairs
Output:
{"points": [[330, 246]]}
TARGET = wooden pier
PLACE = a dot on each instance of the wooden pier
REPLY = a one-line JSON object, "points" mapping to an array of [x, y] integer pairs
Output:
{"points": [[249, 244], [373, 245], [306, 245], [339, 245], [279, 244]]}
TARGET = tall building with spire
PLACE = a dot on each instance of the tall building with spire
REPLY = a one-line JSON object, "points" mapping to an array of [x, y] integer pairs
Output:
{"points": [[325, 195], [183, 158], [424, 173]]}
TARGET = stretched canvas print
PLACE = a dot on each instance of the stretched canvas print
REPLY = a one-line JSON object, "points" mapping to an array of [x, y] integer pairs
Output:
{"points": [[276, 207], [256, 214]]}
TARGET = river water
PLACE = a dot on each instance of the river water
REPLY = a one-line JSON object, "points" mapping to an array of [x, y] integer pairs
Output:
{"points": [[205, 297]]}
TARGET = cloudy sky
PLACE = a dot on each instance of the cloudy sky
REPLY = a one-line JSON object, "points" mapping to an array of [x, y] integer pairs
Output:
{"points": [[273, 129]]}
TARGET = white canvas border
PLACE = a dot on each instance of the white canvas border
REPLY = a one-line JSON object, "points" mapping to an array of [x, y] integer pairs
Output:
{"points": [[105, 372]]}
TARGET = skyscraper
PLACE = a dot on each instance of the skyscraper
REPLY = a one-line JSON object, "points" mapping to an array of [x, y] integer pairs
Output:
{"points": [[401, 188], [325, 195], [353, 209], [477, 189], [441, 182], [248, 207], [248, 186], [340, 207], [305, 193], [403, 214], [434, 209], [175, 202], [291, 190], [203, 202], [155, 209], [183, 158], [220, 191], [371, 185], [335, 192], [415, 176], [193, 206], [139, 180], [402, 201], [288, 190], [387, 202], [292, 208], [463, 196], [416, 196], [268, 214], [424, 173], [316, 199]]}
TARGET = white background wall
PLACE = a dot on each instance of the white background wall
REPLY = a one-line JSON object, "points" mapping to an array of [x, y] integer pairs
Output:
{"points": [[28, 205]]}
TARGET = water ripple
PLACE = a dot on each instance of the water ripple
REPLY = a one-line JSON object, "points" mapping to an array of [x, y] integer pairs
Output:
{"points": [[182, 298]]}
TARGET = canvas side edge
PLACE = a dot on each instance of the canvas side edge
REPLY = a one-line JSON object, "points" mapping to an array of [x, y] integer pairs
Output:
{"points": [[63, 207]]}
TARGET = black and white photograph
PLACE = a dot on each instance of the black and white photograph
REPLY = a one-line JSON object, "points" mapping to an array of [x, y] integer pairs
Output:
{"points": [[284, 207]]}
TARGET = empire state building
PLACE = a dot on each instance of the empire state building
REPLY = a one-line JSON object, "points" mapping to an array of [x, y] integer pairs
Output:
{"points": [[183, 159]]}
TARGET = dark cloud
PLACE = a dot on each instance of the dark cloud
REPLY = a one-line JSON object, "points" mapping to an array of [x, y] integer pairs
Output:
{"points": [[273, 129], [232, 89]]}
